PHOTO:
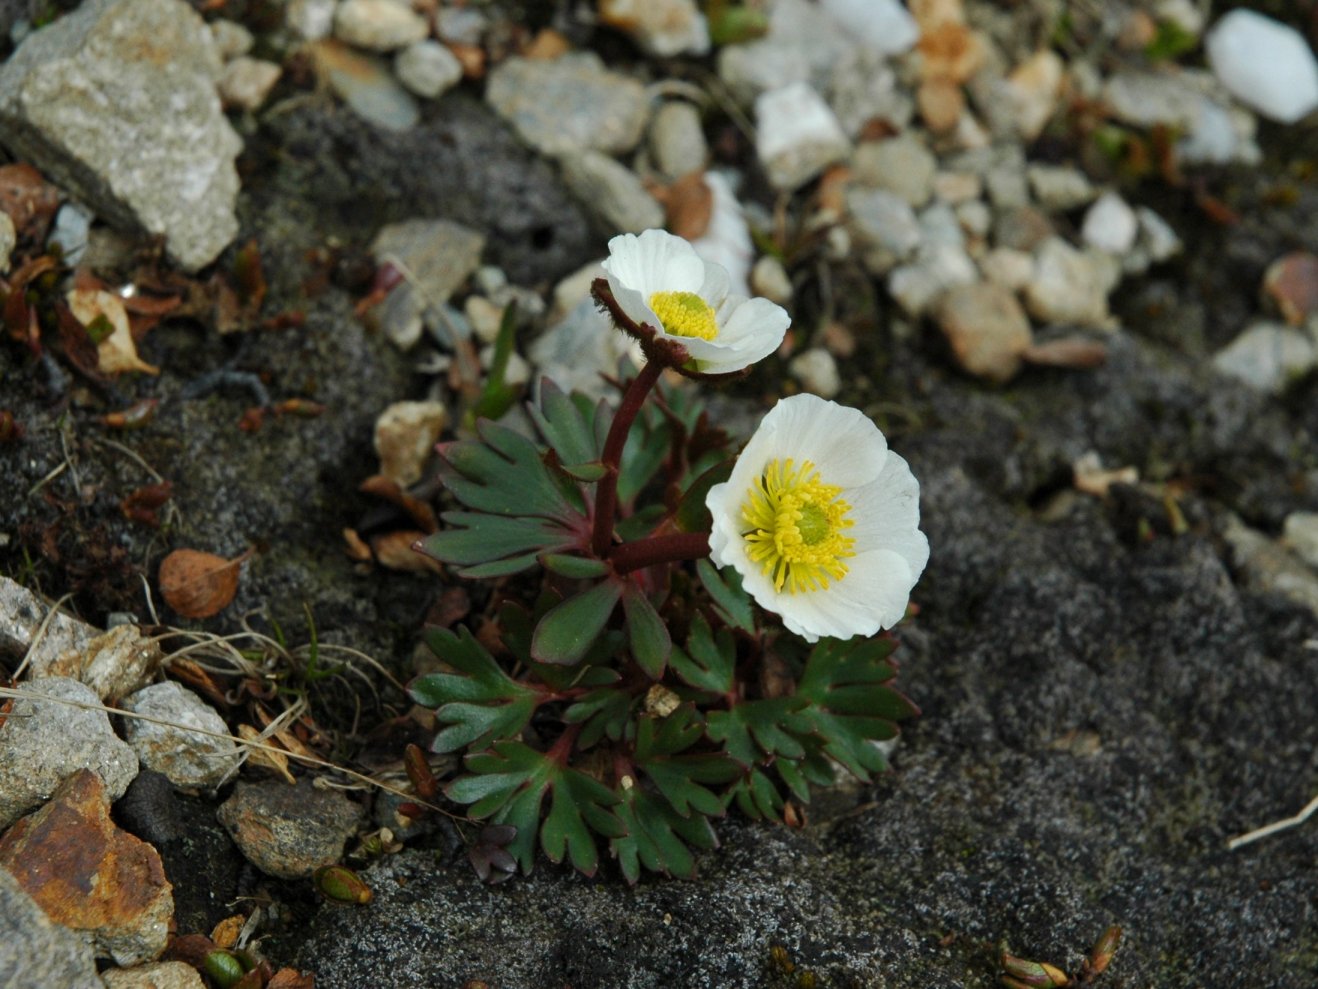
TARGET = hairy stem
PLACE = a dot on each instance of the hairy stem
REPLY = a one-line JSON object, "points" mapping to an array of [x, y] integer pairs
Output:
{"points": [[606, 492], [660, 549]]}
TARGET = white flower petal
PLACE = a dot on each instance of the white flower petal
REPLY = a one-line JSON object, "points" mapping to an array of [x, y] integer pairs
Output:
{"points": [[657, 261], [890, 552], [715, 286], [895, 528], [843, 443]]}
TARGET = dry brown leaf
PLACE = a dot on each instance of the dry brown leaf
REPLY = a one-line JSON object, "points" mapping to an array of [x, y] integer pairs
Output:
{"points": [[290, 978], [546, 45], [395, 551], [100, 311], [390, 490], [276, 762], [29, 199], [226, 931], [1077, 353], [689, 203], [197, 584], [356, 547], [283, 736]]}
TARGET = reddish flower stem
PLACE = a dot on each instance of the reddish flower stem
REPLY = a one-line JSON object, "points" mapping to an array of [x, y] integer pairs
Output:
{"points": [[659, 549], [606, 492]]}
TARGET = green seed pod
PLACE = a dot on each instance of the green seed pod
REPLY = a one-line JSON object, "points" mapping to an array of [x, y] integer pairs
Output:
{"points": [[224, 967], [338, 882], [1039, 975]]}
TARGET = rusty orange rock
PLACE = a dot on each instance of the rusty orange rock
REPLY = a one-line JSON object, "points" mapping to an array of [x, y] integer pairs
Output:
{"points": [[89, 875]]}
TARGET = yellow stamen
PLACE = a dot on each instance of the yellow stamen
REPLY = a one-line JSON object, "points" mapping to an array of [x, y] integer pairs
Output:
{"points": [[793, 527], [684, 314]]}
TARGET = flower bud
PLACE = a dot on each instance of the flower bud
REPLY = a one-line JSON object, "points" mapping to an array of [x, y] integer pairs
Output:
{"points": [[338, 882], [1036, 975]]}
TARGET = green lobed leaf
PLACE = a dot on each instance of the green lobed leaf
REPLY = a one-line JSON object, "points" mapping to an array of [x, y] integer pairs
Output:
{"points": [[731, 603], [751, 730], [757, 797], [504, 473], [474, 537], [605, 711], [509, 784], [568, 425], [661, 753], [479, 702], [568, 630], [577, 567], [709, 662], [657, 837], [650, 641], [850, 704]]}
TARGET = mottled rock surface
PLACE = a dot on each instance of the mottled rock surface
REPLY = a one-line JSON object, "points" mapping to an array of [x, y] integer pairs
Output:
{"points": [[89, 875], [189, 759], [289, 831], [45, 741], [36, 953], [87, 95]]}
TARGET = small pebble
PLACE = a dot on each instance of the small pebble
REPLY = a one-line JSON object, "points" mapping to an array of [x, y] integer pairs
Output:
{"points": [[405, 436], [246, 82], [769, 279], [1007, 267], [986, 329], [901, 165], [677, 140], [1265, 64], [1058, 188], [816, 369], [612, 192], [1110, 224], [378, 25], [1300, 531], [428, 69], [310, 20], [1268, 357], [231, 39], [1291, 283], [797, 135], [1068, 286]]}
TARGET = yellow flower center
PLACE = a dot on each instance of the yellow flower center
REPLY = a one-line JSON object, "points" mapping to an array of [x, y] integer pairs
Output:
{"points": [[793, 527], [684, 314]]}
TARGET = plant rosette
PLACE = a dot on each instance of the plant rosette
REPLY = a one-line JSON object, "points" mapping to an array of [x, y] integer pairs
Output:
{"points": [[821, 520], [677, 302]]}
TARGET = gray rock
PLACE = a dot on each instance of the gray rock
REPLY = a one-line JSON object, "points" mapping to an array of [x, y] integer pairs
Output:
{"points": [[769, 279], [21, 616], [797, 135], [129, 81], [1148, 98], [1212, 140], [435, 257], [1068, 286], [803, 44], [569, 105], [188, 759], [36, 953], [72, 229], [289, 831], [1268, 357], [1021, 228], [677, 140], [883, 226], [902, 165], [1300, 533], [1269, 567], [160, 975], [939, 224], [366, 85], [919, 285], [612, 191], [1058, 188], [378, 25], [44, 741], [1110, 224], [1008, 267], [863, 87], [231, 39], [113, 664], [1157, 237], [663, 28], [428, 69], [310, 20], [246, 82]]}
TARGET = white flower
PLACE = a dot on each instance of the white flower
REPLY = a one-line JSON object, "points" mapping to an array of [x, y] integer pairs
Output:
{"points": [[821, 520], [658, 279]]}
